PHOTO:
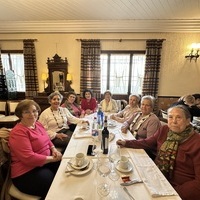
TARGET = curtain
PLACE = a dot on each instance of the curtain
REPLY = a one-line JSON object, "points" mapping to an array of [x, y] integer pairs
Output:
{"points": [[152, 68], [91, 67], [30, 69]]}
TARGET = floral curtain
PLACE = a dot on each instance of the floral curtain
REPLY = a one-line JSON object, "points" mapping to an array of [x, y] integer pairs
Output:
{"points": [[30, 68], [91, 67], [152, 68]]}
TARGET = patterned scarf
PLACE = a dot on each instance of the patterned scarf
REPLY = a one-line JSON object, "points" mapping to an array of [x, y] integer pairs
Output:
{"points": [[168, 150]]}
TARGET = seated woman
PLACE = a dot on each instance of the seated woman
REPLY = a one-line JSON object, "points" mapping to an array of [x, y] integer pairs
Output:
{"points": [[129, 110], [73, 108], [189, 102], [88, 103], [108, 104], [34, 159], [55, 120], [178, 152]]}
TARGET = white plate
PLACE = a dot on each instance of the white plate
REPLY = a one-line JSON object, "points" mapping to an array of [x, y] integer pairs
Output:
{"points": [[80, 172], [111, 124], [129, 169], [84, 128], [111, 136], [73, 163]]}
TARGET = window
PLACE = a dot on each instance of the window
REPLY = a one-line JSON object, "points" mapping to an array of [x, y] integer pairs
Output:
{"points": [[14, 60], [122, 72]]}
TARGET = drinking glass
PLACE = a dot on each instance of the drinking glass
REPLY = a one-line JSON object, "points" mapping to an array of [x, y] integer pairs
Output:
{"points": [[114, 157], [103, 169]]}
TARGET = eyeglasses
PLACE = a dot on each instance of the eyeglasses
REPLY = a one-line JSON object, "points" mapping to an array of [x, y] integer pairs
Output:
{"points": [[27, 112]]}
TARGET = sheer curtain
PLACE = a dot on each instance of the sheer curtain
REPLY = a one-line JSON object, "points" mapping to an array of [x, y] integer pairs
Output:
{"points": [[30, 68], [90, 67], [152, 68]]}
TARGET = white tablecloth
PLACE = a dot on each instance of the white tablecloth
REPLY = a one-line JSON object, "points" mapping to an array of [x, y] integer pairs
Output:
{"points": [[69, 187]]}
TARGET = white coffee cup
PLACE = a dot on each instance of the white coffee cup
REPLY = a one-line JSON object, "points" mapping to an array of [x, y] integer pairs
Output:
{"points": [[80, 159], [85, 125], [123, 162]]}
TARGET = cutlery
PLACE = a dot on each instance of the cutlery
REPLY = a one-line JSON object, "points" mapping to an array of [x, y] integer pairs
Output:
{"points": [[72, 169], [127, 192]]}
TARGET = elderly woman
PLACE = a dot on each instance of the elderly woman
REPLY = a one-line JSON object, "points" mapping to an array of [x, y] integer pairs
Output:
{"points": [[34, 159], [55, 120], [88, 103], [129, 110], [145, 123], [108, 104], [73, 108], [178, 147]]}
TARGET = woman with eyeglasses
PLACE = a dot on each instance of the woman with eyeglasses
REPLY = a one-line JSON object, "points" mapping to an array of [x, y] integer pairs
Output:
{"points": [[34, 159]]}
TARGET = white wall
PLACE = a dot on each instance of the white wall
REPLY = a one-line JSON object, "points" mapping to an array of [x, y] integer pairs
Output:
{"points": [[178, 76]]}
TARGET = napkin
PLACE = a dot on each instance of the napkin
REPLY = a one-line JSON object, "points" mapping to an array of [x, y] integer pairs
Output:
{"points": [[154, 180], [80, 133]]}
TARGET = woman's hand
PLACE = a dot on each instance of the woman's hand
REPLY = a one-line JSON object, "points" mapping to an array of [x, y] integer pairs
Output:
{"points": [[61, 136], [124, 129], [55, 153], [121, 143]]}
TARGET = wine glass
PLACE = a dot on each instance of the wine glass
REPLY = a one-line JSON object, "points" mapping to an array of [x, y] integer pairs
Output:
{"points": [[103, 169], [114, 157]]}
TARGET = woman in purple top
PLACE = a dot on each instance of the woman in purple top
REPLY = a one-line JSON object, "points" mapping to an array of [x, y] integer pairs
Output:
{"points": [[34, 159], [88, 103]]}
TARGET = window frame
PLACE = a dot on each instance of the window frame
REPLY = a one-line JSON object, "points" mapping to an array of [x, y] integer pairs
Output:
{"points": [[131, 53]]}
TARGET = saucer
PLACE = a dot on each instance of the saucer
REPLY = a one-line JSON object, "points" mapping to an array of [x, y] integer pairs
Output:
{"points": [[111, 136], [111, 124], [73, 165], [129, 169], [82, 172]]}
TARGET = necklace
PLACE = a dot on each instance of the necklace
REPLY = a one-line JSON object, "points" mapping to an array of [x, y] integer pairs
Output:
{"points": [[59, 126]]}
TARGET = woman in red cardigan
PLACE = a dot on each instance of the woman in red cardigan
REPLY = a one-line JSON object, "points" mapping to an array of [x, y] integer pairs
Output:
{"points": [[88, 103]]}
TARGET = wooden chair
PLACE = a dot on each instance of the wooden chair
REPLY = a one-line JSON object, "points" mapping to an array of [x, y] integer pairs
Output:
{"points": [[8, 189], [164, 114], [3, 108], [11, 107]]}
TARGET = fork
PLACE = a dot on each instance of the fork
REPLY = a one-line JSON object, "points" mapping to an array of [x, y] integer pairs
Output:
{"points": [[127, 192]]}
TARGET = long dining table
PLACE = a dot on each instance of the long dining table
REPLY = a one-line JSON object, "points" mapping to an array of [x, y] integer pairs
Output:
{"points": [[82, 185]]}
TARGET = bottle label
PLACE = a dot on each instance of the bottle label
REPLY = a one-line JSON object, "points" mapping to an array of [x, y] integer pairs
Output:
{"points": [[106, 143]]}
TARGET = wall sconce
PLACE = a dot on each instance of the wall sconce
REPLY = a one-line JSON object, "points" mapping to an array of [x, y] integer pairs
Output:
{"points": [[192, 55], [69, 78], [44, 78], [68, 83]]}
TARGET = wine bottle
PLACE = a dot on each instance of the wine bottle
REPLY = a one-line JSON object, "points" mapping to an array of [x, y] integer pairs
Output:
{"points": [[105, 137]]}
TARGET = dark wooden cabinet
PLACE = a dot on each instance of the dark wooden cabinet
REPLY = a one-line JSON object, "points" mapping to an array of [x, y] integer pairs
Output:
{"points": [[58, 70]]}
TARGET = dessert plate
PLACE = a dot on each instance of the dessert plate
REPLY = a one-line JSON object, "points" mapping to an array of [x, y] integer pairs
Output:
{"points": [[72, 163], [129, 169]]}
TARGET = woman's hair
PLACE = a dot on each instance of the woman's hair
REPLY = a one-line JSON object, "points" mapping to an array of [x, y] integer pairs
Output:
{"points": [[107, 92], [71, 93], [183, 108], [87, 90], [55, 94], [189, 99], [25, 105], [150, 98], [137, 97]]}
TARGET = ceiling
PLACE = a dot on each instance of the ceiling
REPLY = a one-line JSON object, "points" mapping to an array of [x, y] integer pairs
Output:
{"points": [[50, 16]]}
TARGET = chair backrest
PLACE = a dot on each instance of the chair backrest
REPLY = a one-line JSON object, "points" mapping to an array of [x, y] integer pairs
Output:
{"points": [[164, 114], [3, 107], [11, 107]]}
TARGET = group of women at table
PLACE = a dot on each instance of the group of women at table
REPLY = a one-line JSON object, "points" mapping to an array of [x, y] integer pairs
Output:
{"points": [[175, 147]]}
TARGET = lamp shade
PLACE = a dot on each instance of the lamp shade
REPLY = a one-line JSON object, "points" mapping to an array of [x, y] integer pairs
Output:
{"points": [[44, 76], [69, 77]]}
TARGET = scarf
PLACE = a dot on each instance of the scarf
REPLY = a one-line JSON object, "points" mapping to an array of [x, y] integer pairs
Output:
{"points": [[168, 150]]}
